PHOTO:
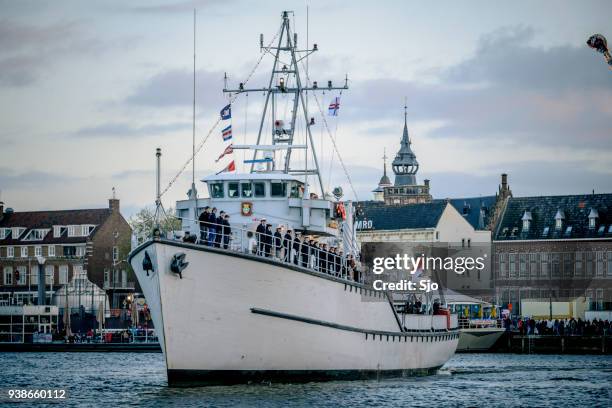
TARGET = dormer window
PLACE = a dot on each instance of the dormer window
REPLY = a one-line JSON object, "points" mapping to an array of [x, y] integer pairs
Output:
{"points": [[526, 220], [17, 231], [559, 217], [36, 235], [593, 215], [4, 232], [58, 230]]}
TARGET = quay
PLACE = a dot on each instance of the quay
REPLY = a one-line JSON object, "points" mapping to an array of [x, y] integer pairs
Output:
{"points": [[81, 347], [514, 342]]}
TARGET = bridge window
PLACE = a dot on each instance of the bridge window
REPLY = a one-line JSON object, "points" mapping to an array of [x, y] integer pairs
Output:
{"points": [[259, 189], [247, 190], [232, 190], [216, 190], [279, 189]]}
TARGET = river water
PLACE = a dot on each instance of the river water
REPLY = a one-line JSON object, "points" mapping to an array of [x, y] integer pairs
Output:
{"points": [[120, 379]]}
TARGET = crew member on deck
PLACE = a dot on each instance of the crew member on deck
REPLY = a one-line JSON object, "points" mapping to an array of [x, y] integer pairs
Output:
{"points": [[268, 239], [261, 233], [203, 219], [287, 246], [219, 227], [227, 231], [323, 258], [278, 242], [296, 248], [304, 251]]}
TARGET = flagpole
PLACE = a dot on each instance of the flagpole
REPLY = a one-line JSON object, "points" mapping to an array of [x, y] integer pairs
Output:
{"points": [[194, 192]]}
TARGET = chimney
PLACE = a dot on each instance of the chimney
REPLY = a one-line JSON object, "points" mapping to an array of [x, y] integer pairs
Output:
{"points": [[1, 210], [504, 181], [426, 181], [113, 204]]}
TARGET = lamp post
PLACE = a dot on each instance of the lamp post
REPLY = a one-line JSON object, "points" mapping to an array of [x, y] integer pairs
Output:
{"points": [[41, 280]]}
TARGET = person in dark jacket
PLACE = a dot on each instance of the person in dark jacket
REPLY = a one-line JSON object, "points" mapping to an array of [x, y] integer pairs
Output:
{"points": [[261, 233], [203, 219], [212, 227], [278, 242], [219, 227], [268, 238], [287, 239], [296, 248], [227, 231], [304, 249], [323, 258]]}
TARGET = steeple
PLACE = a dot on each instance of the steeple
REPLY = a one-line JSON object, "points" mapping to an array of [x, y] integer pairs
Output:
{"points": [[384, 180], [405, 164]]}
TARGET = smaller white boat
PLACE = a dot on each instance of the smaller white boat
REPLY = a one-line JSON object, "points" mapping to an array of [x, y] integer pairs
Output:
{"points": [[479, 326]]}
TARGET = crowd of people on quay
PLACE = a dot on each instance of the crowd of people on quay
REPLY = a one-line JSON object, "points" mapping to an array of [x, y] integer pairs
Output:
{"points": [[558, 327], [282, 244]]}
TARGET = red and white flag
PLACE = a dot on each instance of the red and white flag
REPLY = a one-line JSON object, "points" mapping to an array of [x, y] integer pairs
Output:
{"points": [[228, 150], [230, 167]]}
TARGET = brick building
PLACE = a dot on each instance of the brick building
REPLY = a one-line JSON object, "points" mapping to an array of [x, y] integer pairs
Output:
{"points": [[93, 242], [554, 249]]}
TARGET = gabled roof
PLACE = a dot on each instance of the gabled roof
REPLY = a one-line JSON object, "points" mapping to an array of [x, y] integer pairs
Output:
{"points": [[47, 219], [470, 207], [391, 217], [575, 209]]}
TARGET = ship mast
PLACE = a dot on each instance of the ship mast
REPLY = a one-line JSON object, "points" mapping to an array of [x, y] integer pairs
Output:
{"points": [[286, 81]]}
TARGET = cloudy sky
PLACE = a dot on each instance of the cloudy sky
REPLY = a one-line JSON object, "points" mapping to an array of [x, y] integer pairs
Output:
{"points": [[89, 90]]}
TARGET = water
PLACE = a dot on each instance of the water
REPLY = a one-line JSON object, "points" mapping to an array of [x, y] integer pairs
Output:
{"points": [[120, 379]]}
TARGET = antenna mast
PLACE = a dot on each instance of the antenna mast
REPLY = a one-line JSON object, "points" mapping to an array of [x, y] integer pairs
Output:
{"points": [[283, 132]]}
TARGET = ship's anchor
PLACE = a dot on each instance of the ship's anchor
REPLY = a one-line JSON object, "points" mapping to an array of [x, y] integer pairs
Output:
{"points": [[147, 265], [178, 264]]}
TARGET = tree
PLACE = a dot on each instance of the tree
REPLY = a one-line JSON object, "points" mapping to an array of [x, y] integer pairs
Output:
{"points": [[143, 222]]}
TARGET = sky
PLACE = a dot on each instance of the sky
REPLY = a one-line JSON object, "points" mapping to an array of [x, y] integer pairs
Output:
{"points": [[88, 90]]}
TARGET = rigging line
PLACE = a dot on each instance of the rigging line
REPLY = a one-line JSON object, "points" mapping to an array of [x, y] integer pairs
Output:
{"points": [[332, 158], [246, 128], [231, 100], [346, 173]]}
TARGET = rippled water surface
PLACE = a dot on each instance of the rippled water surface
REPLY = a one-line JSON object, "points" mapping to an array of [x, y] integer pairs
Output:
{"points": [[120, 379]]}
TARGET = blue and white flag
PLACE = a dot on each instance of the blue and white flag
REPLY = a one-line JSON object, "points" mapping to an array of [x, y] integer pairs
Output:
{"points": [[334, 106], [226, 112], [227, 133]]}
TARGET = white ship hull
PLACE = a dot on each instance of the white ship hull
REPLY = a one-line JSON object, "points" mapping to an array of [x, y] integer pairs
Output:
{"points": [[478, 339], [236, 318]]}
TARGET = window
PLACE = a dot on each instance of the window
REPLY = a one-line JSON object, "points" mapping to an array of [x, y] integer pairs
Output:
{"points": [[69, 251], [523, 272], [63, 274], [525, 225], [49, 275], [106, 277], [17, 231], [24, 251], [10, 252], [80, 251], [34, 275], [4, 232], [59, 230], [37, 251], [592, 222], [247, 190], [545, 232], [579, 271], [36, 235], [86, 230], [278, 189], [260, 189], [115, 254], [556, 260], [599, 269], [609, 263], [77, 270], [23, 275], [568, 231], [512, 263], [544, 265], [74, 230], [51, 250], [8, 275], [216, 190], [232, 190], [558, 223]]}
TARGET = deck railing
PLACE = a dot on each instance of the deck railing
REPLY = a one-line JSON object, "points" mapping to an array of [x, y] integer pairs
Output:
{"points": [[291, 252]]}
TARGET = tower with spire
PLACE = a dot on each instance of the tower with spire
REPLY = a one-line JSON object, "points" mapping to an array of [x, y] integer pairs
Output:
{"points": [[405, 189], [379, 192]]}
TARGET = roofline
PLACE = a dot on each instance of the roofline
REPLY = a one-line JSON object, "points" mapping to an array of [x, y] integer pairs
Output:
{"points": [[56, 211], [552, 240]]}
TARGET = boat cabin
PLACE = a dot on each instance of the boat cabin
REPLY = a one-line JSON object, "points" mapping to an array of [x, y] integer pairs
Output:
{"points": [[280, 198]]}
